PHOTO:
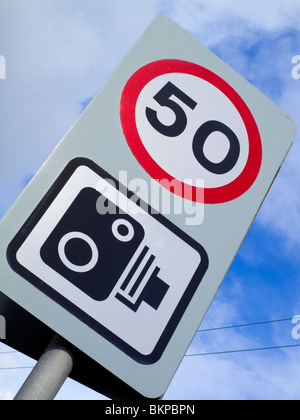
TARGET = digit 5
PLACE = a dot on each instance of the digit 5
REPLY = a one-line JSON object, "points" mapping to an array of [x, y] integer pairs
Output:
{"points": [[163, 98]]}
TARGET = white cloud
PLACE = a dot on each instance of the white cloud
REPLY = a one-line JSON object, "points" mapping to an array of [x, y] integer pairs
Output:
{"points": [[217, 19], [281, 211], [58, 54], [49, 60], [258, 375]]}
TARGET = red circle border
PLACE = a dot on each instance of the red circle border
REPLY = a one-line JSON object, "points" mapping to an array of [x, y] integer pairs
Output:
{"points": [[130, 95]]}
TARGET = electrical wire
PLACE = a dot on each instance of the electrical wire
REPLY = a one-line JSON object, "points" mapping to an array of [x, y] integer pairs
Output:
{"points": [[245, 325], [206, 353], [242, 350], [17, 367], [201, 354]]}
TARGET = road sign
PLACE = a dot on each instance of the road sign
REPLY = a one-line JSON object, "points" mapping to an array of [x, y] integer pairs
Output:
{"points": [[93, 254], [213, 132], [69, 242]]}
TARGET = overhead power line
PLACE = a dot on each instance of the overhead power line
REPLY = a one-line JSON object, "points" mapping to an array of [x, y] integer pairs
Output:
{"points": [[242, 350], [17, 367], [197, 354], [205, 353], [244, 325]]}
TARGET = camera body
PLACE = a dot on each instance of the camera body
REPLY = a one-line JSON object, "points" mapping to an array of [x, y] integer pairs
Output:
{"points": [[90, 238], [127, 273]]}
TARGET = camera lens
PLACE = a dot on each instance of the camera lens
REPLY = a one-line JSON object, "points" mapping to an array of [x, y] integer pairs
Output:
{"points": [[65, 241], [122, 230]]}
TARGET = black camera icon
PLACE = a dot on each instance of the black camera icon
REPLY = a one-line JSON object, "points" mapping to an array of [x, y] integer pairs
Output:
{"points": [[92, 250]]}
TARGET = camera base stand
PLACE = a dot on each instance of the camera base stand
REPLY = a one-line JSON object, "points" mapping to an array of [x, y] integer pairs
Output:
{"points": [[49, 373]]}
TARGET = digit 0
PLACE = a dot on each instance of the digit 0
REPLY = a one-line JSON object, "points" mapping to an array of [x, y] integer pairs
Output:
{"points": [[232, 156]]}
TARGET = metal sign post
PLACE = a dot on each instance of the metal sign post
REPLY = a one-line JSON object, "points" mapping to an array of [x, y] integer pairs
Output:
{"points": [[49, 374]]}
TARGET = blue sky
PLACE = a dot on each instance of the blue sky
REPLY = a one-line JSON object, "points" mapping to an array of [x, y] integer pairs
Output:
{"points": [[58, 54]]}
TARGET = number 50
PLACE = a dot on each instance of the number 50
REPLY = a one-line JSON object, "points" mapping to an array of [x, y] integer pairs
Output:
{"points": [[163, 98]]}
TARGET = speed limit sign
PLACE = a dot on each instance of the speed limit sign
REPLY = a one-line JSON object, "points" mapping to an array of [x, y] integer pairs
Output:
{"points": [[183, 122]]}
